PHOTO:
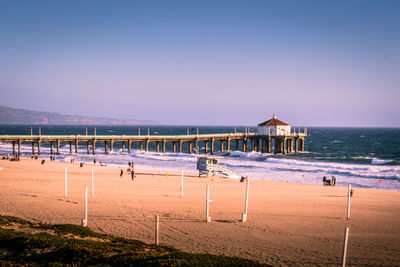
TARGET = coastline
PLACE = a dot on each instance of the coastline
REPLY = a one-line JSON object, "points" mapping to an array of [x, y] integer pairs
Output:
{"points": [[288, 223]]}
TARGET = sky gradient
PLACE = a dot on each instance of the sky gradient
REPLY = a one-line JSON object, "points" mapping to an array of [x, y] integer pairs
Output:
{"points": [[313, 63]]}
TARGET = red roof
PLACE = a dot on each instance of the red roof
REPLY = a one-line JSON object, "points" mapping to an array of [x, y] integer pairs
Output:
{"points": [[273, 122]]}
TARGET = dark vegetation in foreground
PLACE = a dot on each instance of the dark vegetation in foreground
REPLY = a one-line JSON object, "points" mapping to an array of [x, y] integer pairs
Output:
{"points": [[26, 243]]}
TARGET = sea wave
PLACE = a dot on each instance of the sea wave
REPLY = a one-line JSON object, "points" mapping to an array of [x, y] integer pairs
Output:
{"points": [[376, 161], [255, 165]]}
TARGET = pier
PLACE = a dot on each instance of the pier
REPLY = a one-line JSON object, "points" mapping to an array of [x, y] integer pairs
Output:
{"points": [[290, 143], [273, 136]]}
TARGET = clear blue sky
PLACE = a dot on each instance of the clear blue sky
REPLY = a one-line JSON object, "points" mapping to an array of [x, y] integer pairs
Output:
{"points": [[313, 63]]}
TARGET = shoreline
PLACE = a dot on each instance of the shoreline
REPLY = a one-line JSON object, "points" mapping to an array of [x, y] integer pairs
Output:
{"points": [[302, 172], [288, 223]]}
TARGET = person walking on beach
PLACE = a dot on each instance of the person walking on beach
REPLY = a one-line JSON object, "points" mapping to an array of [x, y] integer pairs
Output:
{"points": [[94, 161], [122, 172], [133, 175], [133, 169]]}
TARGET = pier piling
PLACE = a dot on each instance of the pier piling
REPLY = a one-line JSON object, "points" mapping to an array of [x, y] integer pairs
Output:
{"points": [[190, 147], [174, 147], [76, 146]]}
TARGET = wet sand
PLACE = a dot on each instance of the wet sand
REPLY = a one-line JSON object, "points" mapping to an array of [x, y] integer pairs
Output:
{"points": [[288, 224]]}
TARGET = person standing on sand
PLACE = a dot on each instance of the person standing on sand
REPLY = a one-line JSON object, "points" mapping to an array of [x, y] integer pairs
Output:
{"points": [[94, 161], [122, 172], [133, 170], [133, 175]]}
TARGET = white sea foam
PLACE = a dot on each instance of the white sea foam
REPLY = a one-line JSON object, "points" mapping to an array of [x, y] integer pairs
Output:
{"points": [[255, 165], [376, 161]]}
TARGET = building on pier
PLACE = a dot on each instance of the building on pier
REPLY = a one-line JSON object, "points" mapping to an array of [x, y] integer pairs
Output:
{"points": [[276, 136], [274, 127]]}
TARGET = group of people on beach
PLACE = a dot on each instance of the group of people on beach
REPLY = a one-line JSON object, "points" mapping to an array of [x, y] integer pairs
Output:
{"points": [[101, 163], [327, 181], [130, 169], [16, 157]]}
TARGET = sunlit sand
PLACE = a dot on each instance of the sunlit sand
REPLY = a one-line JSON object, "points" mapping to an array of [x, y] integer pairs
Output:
{"points": [[287, 223]]}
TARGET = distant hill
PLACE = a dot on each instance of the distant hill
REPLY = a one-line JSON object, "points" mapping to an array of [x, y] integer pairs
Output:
{"points": [[21, 116]]}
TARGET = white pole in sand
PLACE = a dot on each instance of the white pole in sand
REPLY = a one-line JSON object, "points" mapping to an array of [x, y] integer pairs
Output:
{"points": [[182, 185], [65, 184], [348, 201], [244, 215], [208, 201], [92, 183], [157, 228], [84, 221], [346, 236]]}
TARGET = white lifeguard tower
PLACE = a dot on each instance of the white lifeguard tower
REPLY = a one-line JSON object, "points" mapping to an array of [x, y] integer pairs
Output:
{"points": [[274, 127]]}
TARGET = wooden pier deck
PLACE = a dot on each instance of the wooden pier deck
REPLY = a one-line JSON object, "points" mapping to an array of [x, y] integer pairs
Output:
{"points": [[292, 143]]}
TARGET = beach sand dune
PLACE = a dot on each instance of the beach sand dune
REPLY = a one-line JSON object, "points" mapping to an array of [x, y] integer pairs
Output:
{"points": [[288, 224]]}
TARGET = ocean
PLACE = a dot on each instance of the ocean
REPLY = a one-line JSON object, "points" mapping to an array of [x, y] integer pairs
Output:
{"points": [[363, 157]]}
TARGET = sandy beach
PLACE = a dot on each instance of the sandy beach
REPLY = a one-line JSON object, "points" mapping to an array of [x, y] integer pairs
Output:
{"points": [[289, 224]]}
